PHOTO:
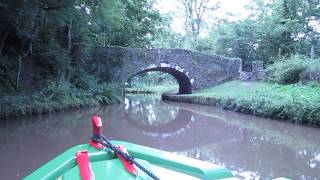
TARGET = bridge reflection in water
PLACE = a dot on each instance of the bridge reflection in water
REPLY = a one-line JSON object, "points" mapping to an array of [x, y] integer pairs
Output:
{"points": [[254, 148], [156, 119]]}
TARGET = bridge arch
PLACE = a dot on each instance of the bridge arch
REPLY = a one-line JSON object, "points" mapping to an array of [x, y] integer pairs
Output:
{"points": [[185, 85], [200, 69]]}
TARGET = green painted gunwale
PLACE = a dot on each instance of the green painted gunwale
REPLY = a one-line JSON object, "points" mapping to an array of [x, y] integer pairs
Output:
{"points": [[59, 166]]}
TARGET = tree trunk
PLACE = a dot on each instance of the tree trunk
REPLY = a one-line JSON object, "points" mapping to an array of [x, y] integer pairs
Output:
{"points": [[312, 52], [18, 72], [3, 39], [29, 51], [69, 36]]}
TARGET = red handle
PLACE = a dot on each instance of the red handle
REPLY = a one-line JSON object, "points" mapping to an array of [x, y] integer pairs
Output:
{"points": [[84, 165], [96, 125]]}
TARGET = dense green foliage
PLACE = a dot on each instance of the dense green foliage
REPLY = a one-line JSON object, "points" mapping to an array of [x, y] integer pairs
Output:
{"points": [[274, 30], [298, 103], [59, 36], [48, 48], [55, 97], [295, 69]]}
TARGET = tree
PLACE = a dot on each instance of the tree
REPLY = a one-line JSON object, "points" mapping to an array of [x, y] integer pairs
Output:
{"points": [[165, 37], [139, 24], [284, 26], [275, 29], [194, 12], [63, 34], [235, 39]]}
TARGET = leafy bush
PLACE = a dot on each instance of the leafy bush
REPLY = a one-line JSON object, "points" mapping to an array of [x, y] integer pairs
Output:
{"points": [[55, 96], [295, 69], [313, 71]]}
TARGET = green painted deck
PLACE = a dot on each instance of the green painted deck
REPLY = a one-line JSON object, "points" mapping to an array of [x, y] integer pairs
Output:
{"points": [[106, 165]]}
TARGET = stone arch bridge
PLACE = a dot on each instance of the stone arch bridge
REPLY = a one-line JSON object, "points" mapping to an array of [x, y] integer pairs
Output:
{"points": [[193, 70]]}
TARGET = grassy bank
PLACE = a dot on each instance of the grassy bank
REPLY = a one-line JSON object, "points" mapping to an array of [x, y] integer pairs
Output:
{"points": [[55, 97], [152, 88], [297, 103]]}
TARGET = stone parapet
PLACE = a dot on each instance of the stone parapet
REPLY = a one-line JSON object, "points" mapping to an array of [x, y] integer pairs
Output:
{"points": [[199, 69]]}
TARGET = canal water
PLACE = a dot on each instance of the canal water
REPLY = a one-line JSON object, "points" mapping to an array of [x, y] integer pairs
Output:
{"points": [[253, 148]]}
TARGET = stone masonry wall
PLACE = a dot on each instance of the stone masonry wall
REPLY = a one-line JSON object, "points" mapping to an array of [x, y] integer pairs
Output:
{"points": [[258, 72], [203, 70]]}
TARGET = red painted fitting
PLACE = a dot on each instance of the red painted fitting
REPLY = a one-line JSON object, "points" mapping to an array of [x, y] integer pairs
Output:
{"points": [[96, 131], [96, 145], [84, 165], [96, 125]]}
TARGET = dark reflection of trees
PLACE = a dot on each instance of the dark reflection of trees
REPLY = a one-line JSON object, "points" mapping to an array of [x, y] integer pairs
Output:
{"points": [[49, 124]]}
